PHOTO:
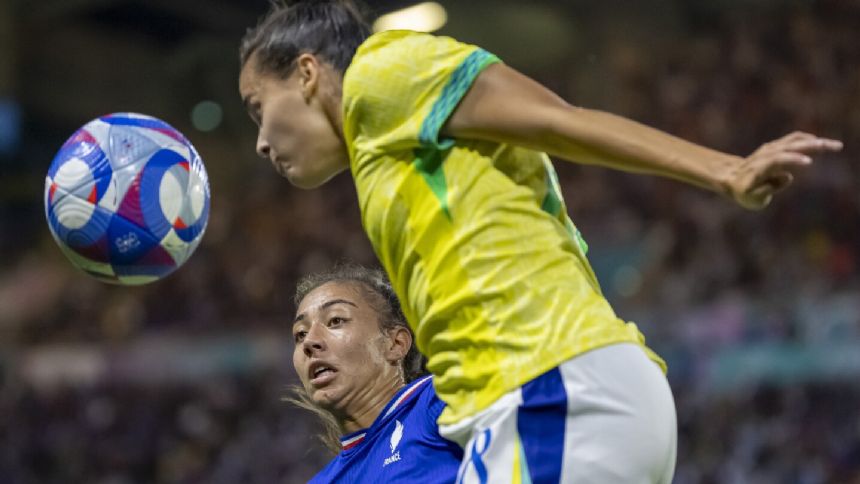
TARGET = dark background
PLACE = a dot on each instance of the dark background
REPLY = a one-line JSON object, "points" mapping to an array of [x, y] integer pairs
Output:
{"points": [[757, 314]]}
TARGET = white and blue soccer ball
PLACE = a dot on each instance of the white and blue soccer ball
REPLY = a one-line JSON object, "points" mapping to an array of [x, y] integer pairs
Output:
{"points": [[127, 198]]}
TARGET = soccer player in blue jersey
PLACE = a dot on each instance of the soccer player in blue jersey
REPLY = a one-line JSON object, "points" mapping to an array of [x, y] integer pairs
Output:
{"points": [[448, 147], [361, 373]]}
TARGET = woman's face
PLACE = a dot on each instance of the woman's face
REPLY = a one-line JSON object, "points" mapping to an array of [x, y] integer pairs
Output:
{"points": [[298, 119], [342, 355]]}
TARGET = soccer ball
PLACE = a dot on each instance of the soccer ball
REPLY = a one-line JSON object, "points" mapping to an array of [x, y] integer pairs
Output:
{"points": [[127, 198]]}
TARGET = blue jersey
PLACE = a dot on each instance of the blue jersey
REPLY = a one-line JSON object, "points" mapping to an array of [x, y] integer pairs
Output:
{"points": [[402, 445]]}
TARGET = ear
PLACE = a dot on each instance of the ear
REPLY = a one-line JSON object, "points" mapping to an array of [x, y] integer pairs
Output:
{"points": [[399, 343], [308, 70]]}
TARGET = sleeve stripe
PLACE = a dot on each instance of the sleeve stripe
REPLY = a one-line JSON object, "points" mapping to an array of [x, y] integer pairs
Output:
{"points": [[458, 84]]}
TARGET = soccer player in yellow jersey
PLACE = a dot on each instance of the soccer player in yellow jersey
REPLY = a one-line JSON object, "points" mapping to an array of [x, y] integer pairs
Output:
{"points": [[448, 149]]}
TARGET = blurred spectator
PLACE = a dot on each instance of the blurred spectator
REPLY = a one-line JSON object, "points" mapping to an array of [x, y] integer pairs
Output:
{"points": [[701, 276]]}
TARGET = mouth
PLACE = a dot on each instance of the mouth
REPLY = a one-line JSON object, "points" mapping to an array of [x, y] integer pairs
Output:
{"points": [[320, 374], [280, 166]]}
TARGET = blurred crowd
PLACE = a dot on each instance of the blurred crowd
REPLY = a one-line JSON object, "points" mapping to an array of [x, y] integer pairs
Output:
{"points": [[226, 430], [235, 430], [704, 279]]}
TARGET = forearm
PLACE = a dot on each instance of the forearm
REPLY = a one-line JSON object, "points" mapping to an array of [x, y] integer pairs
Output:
{"points": [[508, 107], [600, 138]]}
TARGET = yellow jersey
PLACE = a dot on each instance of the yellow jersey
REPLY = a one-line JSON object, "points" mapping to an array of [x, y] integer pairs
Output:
{"points": [[491, 272]]}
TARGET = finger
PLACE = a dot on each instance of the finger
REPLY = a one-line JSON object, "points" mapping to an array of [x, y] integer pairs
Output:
{"points": [[815, 145], [781, 160], [781, 143], [797, 136], [830, 144]]}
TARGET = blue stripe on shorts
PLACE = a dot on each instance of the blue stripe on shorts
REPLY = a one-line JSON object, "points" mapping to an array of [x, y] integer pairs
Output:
{"points": [[540, 422]]}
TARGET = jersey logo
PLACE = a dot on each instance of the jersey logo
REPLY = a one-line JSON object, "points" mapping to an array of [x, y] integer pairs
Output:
{"points": [[396, 436]]}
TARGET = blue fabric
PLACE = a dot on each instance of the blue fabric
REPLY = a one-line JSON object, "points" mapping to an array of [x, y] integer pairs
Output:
{"points": [[420, 454], [540, 423]]}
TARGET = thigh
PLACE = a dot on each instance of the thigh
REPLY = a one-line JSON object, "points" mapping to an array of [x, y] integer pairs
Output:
{"points": [[621, 424], [605, 416]]}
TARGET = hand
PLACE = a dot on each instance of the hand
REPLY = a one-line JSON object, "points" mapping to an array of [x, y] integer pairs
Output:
{"points": [[768, 170]]}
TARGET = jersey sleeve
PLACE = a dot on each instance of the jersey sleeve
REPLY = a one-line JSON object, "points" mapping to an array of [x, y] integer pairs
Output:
{"points": [[402, 87]]}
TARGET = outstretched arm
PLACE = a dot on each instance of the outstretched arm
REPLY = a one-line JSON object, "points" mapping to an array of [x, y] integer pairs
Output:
{"points": [[506, 106]]}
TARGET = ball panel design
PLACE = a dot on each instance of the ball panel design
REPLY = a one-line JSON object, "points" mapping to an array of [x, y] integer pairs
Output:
{"points": [[127, 146], [179, 249], [198, 194], [149, 194], [132, 119], [120, 183], [134, 280], [79, 145], [77, 222], [127, 241], [76, 169], [101, 270], [127, 198], [171, 193], [194, 231], [73, 174]]}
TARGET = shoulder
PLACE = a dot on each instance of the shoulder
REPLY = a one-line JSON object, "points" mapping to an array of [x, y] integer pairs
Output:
{"points": [[398, 42], [389, 39], [403, 54], [426, 405], [415, 396], [397, 80]]}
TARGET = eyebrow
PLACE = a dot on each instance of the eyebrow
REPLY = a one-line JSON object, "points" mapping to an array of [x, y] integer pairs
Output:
{"points": [[326, 305]]}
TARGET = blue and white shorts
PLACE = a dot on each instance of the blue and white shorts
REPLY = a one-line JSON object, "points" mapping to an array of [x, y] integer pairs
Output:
{"points": [[606, 416]]}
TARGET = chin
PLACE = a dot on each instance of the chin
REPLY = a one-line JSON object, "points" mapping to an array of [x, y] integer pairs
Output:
{"points": [[307, 182], [324, 399], [304, 184]]}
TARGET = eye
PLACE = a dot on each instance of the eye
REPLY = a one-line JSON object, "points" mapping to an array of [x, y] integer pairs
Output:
{"points": [[336, 321], [299, 336], [254, 112]]}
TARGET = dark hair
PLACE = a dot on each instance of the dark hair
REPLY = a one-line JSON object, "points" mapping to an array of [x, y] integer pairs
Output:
{"points": [[376, 287], [330, 29]]}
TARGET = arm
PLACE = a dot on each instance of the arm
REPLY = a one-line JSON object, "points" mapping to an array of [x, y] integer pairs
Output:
{"points": [[506, 106]]}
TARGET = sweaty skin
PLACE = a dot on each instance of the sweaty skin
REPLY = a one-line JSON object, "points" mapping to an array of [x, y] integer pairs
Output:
{"points": [[345, 361]]}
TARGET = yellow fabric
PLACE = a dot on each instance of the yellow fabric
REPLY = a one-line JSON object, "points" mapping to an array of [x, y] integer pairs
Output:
{"points": [[491, 272], [517, 471]]}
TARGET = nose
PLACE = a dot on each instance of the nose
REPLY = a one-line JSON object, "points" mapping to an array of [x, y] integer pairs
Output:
{"points": [[263, 148], [313, 342]]}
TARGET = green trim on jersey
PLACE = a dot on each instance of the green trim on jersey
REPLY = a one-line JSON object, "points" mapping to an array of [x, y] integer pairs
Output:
{"points": [[458, 84], [429, 158], [552, 205], [551, 202], [428, 162]]}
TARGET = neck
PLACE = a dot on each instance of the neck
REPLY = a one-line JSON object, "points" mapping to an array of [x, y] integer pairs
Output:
{"points": [[332, 103], [368, 405], [334, 112]]}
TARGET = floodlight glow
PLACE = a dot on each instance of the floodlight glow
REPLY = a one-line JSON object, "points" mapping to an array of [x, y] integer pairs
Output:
{"points": [[423, 17]]}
